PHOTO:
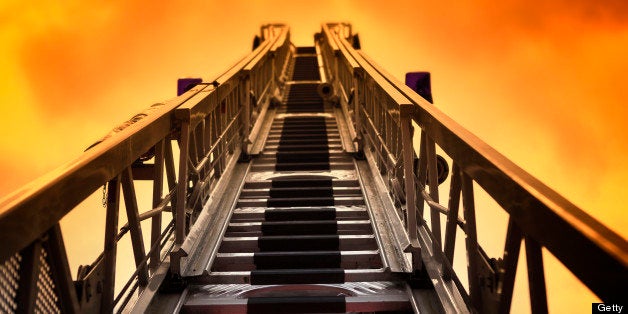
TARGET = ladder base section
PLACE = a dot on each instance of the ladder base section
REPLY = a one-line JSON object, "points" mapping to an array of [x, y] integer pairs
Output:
{"points": [[295, 276], [343, 298]]}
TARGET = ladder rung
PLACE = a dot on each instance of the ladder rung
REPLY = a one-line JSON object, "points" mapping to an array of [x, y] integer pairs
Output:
{"points": [[299, 202], [300, 227], [298, 242], [299, 182], [293, 214], [298, 259], [295, 276], [298, 190]]}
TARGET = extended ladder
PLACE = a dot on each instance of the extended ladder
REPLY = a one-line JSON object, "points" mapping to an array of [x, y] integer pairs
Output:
{"points": [[300, 238]]}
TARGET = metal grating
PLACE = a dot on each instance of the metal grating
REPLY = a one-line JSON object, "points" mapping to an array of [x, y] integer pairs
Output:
{"points": [[9, 278], [47, 298]]}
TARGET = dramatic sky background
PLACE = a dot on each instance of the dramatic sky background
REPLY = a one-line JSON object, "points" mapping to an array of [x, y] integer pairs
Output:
{"points": [[543, 83]]}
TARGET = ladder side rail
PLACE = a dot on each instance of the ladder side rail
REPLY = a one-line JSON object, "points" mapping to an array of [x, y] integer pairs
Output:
{"points": [[209, 135], [482, 269], [330, 53], [284, 52], [45, 201], [543, 215], [384, 125], [30, 211], [280, 49], [347, 77], [226, 110], [261, 74], [343, 72], [379, 107], [262, 49], [337, 68], [31, 214], [538, 215], [281, 53], [220, 107]]}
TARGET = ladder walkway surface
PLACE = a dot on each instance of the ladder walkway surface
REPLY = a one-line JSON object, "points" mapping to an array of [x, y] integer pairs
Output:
{"points": [[300, 238]]}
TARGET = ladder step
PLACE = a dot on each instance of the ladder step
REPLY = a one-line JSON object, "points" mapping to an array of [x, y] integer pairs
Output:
{"points": [[301, 133], [301, 214], [304, 158], [271, 228], [296, 119], [321, 304], [298, 243], [302, 141], [301, 202], [299, 191], [303, 86], [315, 301], [282, 148], [302, 227], [293, 214], [301, 74], [289, 130], [306, 50], [304, 101], [277, 139], [297, 124], [300, 182], [310, 166], [311, 182], [274, 139], [331, 123], [304, 153], [295, 276], [319, 109], [296, 260], [303, 108], [305, 166], [304, 134]]}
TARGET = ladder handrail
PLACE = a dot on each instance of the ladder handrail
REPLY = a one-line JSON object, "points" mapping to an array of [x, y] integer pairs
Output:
{"points": [[538, 214], [30, 211], [31, 215]]}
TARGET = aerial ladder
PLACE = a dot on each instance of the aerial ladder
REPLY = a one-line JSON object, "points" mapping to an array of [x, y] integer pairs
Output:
{"points": [[301, 180]]}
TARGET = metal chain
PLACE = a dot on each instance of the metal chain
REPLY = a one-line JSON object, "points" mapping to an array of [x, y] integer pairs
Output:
{"points": [[104, 195]]}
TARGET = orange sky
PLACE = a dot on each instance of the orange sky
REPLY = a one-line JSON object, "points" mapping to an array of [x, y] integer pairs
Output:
{"points": [[544, 83]]}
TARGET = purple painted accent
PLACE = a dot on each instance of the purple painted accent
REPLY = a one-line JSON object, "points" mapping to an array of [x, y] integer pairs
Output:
{"points": [[420, 83], [185, 84]]}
